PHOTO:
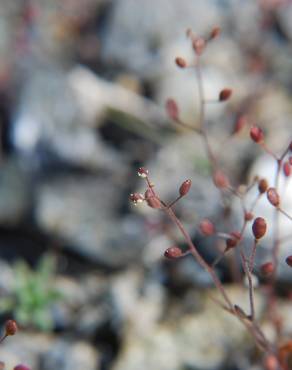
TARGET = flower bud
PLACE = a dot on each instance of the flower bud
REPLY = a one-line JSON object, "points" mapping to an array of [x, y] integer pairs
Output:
{"points": [[143, 172], [21, 367], [220, 180], [287, 169], [259, 227], [273, 197], [172, 109], [199, 45], [289, 261], [10, 327], [185, 187], [180, 62], [206, 227], [173, 252], [248, 216], [225, 94], [136, 198], [263, 186], [267, 268], [151, 200], [256, 134]]}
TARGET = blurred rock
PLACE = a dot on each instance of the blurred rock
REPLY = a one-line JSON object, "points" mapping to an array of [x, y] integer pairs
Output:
{"points": [[15, 192], [68, 355], [196, 341], [83, 211]]}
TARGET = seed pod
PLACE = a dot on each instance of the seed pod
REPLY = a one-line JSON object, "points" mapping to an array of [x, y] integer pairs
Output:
{"points": [[10, 327], [267, 268], [172, 109], [21, 367], [248, 216], [180, 62], [273, 197], [173, 252], [143, 172], [263, 186], [185, 187], [256, 134], [206, 227], [259, 227], [136, 198], [151, 200], [220, 180], [287, 169], [225, 94], [289, 261]]}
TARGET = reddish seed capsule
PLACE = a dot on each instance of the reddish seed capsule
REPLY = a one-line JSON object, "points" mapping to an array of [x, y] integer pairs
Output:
{"points": [[151, 200], [21, 367], [259, 227], [172, 109], [256, 134], [267, 268], [185, 187], [225, 94], [220, 180], [273, 197], [173, 252], [287, 169], [180, 62], [142, 172], [248, 216], [289, 261], [10, 327], [263, 186], [207, 227]]}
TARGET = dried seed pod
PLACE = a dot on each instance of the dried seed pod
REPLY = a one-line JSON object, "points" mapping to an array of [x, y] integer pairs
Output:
{"points": [[267, 268], [180, 62], [259, 227], [185, 187], [256, 134], [273, 197], [173, 252], [10, 327], [287, 169], [206, 227], [263, 186], [220, 180], [172, 109], [143, 172], [225, 94], [136, 198], [289, 261]]}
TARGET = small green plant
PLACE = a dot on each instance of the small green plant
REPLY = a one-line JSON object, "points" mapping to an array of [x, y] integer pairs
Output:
{"points": [[33, 294]]}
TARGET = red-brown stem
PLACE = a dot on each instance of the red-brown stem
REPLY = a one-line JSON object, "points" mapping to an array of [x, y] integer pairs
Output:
{"points": [[252, 256]]}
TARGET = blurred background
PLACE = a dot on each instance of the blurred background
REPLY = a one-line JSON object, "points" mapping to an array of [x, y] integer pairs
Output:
{"points": [[83, 84]]}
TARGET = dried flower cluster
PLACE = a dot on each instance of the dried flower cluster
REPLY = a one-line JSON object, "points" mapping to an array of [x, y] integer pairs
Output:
{"points": [[276, 354]]}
